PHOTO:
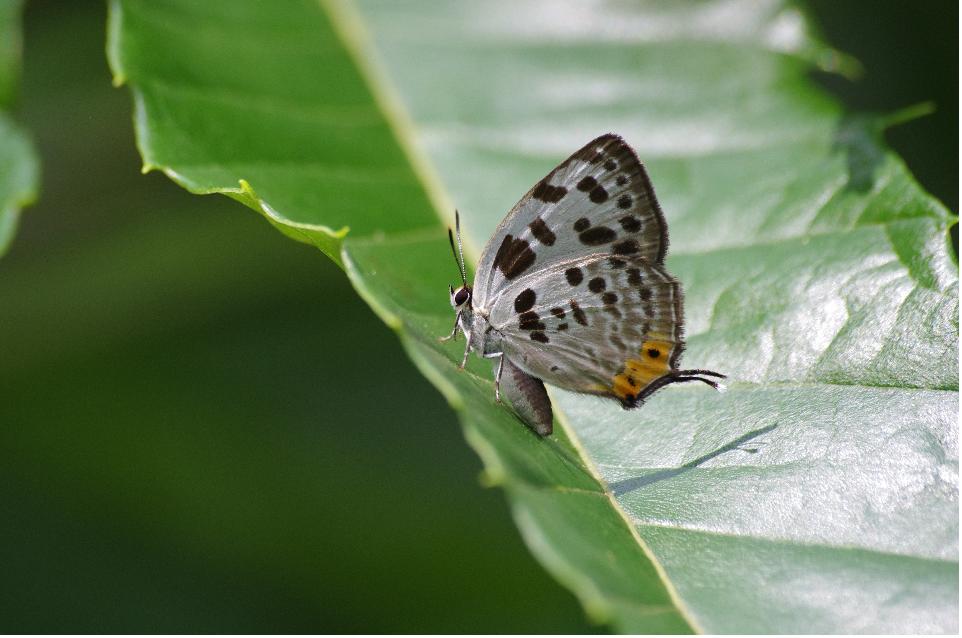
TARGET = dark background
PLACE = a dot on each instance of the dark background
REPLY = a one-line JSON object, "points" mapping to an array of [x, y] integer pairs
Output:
{"points": [[909, 51], [182, 445]]}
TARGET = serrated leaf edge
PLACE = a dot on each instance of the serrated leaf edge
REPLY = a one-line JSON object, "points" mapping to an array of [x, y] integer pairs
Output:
{"points": [[349, 27]]}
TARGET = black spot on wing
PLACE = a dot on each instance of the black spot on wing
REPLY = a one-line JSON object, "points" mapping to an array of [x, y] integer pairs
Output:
{"points": [[587, 183], [597, 284], [514, 256], [530, 321], [597, 236], [547, 193], [558, 312], [578, 313], [574, 276], [525, 300], [540, 336], [609, 298], [598, 195], [541, 232], [624, 201], [500, 256], [630, 223], [626, 247], [596, 192], [582, 225]]}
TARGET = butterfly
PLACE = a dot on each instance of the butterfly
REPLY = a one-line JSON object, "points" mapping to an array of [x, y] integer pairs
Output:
{"points": [[572, 289]]}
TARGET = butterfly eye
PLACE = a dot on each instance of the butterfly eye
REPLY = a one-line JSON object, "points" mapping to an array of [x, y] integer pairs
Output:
{"points": [[461, 296]]}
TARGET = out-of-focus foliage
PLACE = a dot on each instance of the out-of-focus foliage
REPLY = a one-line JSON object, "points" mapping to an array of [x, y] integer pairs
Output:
{"points": [[182, 449], [19, 169], [821, 492]]}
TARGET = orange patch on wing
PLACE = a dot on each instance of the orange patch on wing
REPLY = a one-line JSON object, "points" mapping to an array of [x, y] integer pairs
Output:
{"points": [[651, 363]]}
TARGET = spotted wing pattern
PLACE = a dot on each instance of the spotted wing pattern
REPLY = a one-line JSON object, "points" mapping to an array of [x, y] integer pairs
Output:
{"points": [[610, 324], [599, 200]]}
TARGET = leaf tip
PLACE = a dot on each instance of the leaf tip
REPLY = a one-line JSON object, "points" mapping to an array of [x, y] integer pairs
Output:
{"points": [[491, 477], [908, 114], [833, 61], [247, 189], [597, 610]]}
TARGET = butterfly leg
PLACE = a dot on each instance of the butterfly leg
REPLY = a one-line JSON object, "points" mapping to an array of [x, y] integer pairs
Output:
{"points": [[467, 351], [454, 331], [497, 379]]}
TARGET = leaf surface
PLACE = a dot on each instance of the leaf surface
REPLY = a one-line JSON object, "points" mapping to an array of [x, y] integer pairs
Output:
{"points": [[821, 492]]}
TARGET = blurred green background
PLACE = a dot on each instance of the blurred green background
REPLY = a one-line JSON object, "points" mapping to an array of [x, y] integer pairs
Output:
{"points": [[166, 465]]}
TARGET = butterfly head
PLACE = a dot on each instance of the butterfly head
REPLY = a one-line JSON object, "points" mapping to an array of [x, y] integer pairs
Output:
{"points": [[461, 297]]}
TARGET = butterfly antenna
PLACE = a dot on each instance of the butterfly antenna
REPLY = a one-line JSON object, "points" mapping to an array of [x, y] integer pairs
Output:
{"points": [[459, 253], [454, 252]]}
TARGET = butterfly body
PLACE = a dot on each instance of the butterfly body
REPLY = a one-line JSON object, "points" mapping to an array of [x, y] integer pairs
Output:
{"points": [[572, 290]]}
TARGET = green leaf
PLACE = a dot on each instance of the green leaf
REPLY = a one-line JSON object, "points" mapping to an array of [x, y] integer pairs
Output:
{"points": [[266, 107], [19, 167], [821, 492]]}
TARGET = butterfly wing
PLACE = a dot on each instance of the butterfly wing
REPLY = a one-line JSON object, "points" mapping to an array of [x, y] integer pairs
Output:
{"points": [[606, 324], [598, 200]]}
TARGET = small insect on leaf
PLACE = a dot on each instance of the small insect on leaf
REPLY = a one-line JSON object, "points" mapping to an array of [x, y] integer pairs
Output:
{"points": [[572, 289]]}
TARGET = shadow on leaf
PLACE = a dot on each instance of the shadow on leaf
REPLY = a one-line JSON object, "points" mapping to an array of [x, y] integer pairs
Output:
{"points": [[629, 485]]}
